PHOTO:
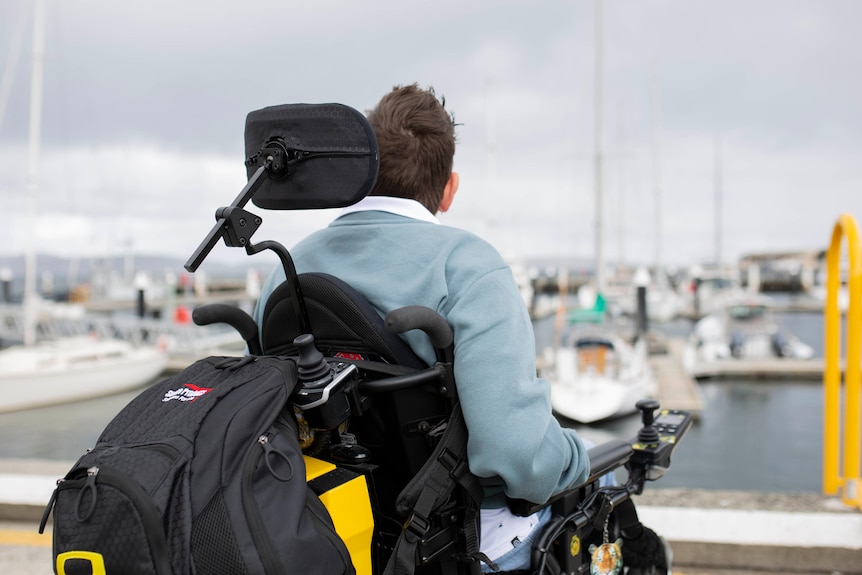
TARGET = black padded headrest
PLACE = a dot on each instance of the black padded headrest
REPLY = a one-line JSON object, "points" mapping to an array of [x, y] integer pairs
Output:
{"points": [[332, 155]]}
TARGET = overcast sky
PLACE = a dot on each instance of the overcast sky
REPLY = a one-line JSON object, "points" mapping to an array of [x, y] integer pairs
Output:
{"points": [[751, 105]]}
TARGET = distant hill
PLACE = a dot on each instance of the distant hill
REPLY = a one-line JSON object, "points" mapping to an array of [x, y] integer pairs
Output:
{"points": [[60, 266]]}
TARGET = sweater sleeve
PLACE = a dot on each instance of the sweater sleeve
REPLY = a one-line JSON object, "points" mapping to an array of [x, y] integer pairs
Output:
{"points": [[513, 434]]}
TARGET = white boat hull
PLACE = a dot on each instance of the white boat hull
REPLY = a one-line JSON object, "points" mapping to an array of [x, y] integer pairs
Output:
{"points": [[591, 395], [596, 398], [72, 369]]}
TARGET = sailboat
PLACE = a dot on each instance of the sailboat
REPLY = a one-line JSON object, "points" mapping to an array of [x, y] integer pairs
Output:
{"points": [[595, 373], [598, 375], [48, 372]]}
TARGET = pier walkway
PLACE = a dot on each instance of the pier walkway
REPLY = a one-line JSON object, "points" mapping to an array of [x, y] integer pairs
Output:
{"points": [[185, 342], [677, 389]]}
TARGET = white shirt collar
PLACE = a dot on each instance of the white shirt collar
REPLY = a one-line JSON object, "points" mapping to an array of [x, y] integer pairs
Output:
{"points": [[398, 206]]}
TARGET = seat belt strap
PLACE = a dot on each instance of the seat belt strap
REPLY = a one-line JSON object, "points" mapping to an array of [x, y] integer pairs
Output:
{"points": [[445, 470]]}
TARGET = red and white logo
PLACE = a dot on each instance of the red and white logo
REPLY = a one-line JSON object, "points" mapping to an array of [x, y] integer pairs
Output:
{"points": [[189, 392]]}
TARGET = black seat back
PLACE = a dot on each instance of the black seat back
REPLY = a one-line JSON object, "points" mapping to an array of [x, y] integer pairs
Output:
{"points": [[345, 325], [342, 320]]}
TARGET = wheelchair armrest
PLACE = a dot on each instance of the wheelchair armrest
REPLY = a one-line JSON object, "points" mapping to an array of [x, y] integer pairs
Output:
{"points": [[608, 456], [604, 459]]}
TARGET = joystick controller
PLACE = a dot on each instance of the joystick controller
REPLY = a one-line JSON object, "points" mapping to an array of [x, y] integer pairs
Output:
{"points": [[321, 392], [658, 437], [648, 434], [312, 368]]}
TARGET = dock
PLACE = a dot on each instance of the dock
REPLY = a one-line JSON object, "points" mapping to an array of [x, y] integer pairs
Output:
{"points": [[777, 368], [677, 389]]}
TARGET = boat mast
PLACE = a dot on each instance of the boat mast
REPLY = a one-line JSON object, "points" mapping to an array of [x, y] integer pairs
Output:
{"points": [[12, 60], [38, 60], [656, 111], [718, 193], [621, 225], [600, 247]]}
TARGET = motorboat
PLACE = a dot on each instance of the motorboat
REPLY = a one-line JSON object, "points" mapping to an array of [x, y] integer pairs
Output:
{"points": [[68, 369], [744, 329], [596, 375]]}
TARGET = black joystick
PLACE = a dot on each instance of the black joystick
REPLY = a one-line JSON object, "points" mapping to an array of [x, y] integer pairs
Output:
{"points": [[312, 369], [648, 433]]}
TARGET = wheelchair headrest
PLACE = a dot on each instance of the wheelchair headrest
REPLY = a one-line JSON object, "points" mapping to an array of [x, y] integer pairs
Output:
{"points": [[327, 155]]}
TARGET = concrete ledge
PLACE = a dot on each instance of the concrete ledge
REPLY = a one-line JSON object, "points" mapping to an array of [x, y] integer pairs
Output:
{"points": [[758, 558], [785, 542], [26, 486], [710, 531]]}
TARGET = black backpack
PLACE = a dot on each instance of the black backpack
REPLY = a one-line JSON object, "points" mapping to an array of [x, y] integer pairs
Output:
{"points": [[201, 473]]}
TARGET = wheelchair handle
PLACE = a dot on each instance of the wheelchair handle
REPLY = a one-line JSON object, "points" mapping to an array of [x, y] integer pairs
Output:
{"points": [[234, 317], [419, 317]]}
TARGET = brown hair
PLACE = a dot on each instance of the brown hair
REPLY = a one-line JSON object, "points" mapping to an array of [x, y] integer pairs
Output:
{"points": [[416, 136]]}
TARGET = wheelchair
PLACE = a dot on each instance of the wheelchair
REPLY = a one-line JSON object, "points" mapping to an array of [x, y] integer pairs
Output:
{"points": [[369, 406]]}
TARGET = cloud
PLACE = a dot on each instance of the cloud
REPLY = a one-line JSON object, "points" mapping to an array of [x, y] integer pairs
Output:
{"points": [[145, 107]]}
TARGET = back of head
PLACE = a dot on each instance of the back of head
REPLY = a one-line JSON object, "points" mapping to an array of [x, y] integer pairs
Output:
{"points": [[416, 137]]}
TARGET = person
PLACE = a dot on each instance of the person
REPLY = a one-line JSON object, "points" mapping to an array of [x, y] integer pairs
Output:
{"points": [[392, 249]]}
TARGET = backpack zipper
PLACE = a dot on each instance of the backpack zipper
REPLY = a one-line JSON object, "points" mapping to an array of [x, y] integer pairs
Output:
{"points": [[167, 450], [141, 501], [317, 509], [257, 526]]}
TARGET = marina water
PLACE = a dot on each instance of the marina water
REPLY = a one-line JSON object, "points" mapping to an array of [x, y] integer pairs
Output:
{"points": [[756, 435]]}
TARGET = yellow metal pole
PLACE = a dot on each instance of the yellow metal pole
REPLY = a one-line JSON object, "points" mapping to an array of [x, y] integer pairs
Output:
{"points": [[846, 473], [853, 371], [831, 371]]}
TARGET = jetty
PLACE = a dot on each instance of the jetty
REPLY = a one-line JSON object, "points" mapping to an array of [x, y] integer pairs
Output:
{"points": [[184, 341], [677, 389], [772, 369]]}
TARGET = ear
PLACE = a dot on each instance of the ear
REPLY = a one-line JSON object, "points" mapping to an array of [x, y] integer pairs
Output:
{"points": [[449, 191]]}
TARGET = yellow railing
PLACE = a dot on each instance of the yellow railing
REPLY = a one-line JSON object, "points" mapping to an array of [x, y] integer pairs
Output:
{"points": [[845, 474]]}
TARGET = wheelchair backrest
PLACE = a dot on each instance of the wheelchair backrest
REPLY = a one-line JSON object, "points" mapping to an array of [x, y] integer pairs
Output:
{"points": [[345, 325]]}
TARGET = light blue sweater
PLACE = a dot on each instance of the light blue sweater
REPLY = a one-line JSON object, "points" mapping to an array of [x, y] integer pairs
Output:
{"points": [[397, 261]]}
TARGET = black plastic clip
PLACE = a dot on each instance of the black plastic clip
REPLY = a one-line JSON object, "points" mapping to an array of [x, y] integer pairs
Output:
{"points": [[417, 525], [603, 512]]}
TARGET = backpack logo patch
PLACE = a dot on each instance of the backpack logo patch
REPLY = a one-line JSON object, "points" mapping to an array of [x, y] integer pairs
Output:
{"points": [[188, 392]]}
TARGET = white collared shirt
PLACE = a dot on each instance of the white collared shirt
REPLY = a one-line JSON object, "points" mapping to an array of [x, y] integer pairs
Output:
{"points": [[398, 206]]}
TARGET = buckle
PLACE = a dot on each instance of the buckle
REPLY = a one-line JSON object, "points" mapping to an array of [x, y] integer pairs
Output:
{"points": [[417, 525], [455, 465]]}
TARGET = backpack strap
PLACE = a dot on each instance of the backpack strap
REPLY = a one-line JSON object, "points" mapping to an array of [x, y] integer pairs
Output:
{"points": [[643, 549], [432, 486]]}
